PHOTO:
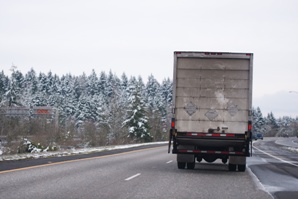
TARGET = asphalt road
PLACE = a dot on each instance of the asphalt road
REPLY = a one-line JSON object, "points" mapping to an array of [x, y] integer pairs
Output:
{"points": [[276, 167], [143, 173]]}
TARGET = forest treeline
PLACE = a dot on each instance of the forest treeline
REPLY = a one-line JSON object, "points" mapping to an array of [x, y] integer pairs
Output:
{"points": [[99, 109], [94, 110]]}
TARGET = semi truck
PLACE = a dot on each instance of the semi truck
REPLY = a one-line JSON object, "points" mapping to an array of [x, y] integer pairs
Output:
{"points": [[212, 108]]}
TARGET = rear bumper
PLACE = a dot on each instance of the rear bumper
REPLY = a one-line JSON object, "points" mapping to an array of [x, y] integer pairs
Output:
{"points": [[211, 144]]}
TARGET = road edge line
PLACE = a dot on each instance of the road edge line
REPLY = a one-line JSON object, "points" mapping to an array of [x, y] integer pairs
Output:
{"points": [[277, 158]]}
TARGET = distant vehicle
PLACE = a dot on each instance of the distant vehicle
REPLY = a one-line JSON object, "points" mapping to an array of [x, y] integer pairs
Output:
{"points": [[212, 108], [258, 136]]}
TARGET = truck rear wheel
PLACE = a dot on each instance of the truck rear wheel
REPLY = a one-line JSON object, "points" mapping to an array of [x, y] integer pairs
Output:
{"points": [[241, 167], [224, 160], [199, 159], [181, 165], [232, 167], [191, 165]]}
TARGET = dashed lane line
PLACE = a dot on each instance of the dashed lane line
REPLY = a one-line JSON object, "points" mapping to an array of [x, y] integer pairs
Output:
{"points": [[132, 177]]}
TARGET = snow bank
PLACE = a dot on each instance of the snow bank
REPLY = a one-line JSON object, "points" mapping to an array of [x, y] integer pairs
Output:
{"points": [[45, 154], [293, 149]]}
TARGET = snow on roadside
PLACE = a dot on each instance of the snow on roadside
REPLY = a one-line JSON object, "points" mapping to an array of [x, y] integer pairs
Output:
{"points": [[36, 155], [293, 149], [289, 144]]}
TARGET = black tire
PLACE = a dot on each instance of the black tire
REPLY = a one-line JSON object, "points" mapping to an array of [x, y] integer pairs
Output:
{"points": [[241, 167], [224, 160], [181, 165], [191, 165], [232, 167]]}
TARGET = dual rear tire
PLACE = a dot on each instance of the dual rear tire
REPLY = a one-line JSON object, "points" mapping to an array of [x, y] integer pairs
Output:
{"points": [[188, 165], [233, 167]]}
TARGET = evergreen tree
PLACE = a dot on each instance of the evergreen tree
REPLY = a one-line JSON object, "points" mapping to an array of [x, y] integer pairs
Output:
{"points": [[31, 88], [110, 86], [165, 105], [286, 126], [92, 82], [123, 101], [41, 97], [152, 95], [137, 121], [4, 82], [124, 91], [78, 89], [53, 90], [153, 100], [14, 92], [258, 121], [67, 103], [102, 85], [271, 122]]}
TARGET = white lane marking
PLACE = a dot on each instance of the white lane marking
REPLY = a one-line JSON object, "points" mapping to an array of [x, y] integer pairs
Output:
{"points": [[169, 161], [276, 157], [258, 182], [132, 177]]}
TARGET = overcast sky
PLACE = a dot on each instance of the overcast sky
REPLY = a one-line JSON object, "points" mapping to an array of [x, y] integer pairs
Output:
{"points": [[139, 38]]}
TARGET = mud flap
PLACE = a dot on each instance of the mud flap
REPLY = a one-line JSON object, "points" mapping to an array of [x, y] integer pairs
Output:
{"points": [[185, 157], [237, 160]]}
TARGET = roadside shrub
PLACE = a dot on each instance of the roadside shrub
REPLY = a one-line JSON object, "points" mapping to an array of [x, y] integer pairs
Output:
{"points": [[29, 147]]}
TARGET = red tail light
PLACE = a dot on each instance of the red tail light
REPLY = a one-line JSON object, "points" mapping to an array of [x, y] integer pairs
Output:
{"points": [[249, 126], [173, 123]]}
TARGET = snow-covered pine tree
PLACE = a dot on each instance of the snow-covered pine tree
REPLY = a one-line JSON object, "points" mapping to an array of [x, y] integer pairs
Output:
{"points": [[41, 96], [286, 126], [124, 92], [30, 89], [271, 122], [79, 86], [137, 121], [4, 84], [53, 87], [102, 85], [165, 105], [14, 92], [115, 110], [92, 83], [67, 104], [110, 86], [258, 121], [153, 101]]}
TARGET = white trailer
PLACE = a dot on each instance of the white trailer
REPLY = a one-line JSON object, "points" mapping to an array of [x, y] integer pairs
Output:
{"points": [[212, 108]]}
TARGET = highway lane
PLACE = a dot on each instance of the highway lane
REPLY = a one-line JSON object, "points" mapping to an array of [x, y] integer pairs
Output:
{"points": [[275, 167], [146, 173]]}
